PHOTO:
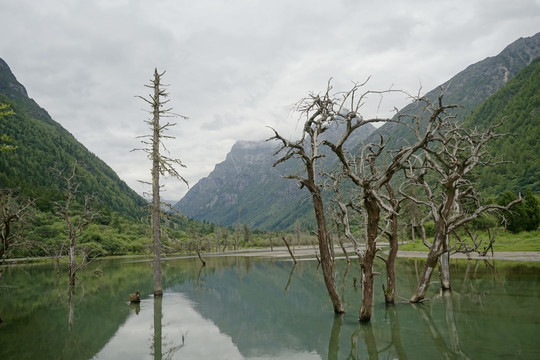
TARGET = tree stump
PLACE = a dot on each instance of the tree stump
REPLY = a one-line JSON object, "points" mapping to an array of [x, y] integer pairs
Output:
{"points": [[135, 298]]}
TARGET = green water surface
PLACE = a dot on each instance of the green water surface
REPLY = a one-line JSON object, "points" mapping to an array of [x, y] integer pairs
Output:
{"points": [[251, 308]]}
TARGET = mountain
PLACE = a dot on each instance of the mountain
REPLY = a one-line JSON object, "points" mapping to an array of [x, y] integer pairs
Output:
{"points": [[241, 188], [43, 145], [246, 189]]}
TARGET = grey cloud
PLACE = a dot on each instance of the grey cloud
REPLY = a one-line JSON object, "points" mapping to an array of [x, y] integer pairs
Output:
{"points": [[234, 66]]}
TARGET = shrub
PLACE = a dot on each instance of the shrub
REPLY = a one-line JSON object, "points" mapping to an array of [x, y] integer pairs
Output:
{"points": [[524, 216]]}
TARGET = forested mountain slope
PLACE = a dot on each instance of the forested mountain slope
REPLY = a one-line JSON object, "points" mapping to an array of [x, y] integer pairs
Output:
{"points": [[517, 106], [43, 144]]}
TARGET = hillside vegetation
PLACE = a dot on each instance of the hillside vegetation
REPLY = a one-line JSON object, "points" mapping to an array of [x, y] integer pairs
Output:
{"points": [[44, 145], [517, 106]]}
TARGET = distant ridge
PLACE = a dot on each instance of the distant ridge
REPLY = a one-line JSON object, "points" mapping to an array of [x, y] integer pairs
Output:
{"points": [[246, 189]]}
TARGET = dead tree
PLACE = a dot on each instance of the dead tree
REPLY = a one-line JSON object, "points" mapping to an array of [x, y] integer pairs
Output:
{"points": [[340, 212], [475, 243], [337, 223], [316, 110], [289, 249], [161, 163], [14, 210], [391, 232], [443, 171], [198, 245], [370, 173], [76, 222]]}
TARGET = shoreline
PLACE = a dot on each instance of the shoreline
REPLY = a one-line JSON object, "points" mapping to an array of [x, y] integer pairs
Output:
{"points": [[301, 252]]}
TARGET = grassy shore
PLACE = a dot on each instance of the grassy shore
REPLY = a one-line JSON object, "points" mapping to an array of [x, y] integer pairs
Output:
{"points": [[504, 241]]}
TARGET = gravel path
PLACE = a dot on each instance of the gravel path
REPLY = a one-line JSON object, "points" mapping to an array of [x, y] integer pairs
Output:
{"points": [[302, 251]]}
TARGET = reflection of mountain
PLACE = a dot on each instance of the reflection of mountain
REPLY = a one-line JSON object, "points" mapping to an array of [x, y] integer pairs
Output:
{"points": [[183, 329], [249, 304], [238, 306]]}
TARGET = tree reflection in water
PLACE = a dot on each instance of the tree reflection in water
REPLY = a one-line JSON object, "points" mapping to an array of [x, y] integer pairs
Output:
{"points": [[365, 343], [157, 347], [333, 345]]}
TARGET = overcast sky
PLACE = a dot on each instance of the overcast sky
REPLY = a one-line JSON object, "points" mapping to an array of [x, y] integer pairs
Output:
{"points": [[234, 66]]}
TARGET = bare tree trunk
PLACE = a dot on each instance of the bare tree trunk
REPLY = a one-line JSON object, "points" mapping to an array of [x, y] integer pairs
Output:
{"points": [[306, 149], [161, 164], [289, 248], [344, 251], [390, 291], [74, 224], [199, 252], [156, 201], [326, 259], [72, 267], [373, 212], [430, 265], [439, 246], [237, 235], [445, 271]]}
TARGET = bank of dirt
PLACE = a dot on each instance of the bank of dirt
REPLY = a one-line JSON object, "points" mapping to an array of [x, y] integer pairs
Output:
{"points": [[310, 251]]}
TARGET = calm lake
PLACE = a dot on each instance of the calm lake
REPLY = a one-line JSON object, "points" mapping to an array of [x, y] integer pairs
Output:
{"points": [[254, 308]]}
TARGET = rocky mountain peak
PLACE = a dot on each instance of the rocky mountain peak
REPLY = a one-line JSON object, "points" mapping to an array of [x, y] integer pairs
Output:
{"points": [[8, 81]]}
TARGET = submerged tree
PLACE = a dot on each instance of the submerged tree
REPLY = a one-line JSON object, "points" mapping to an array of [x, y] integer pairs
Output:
{"points": [[161, 163], [369, 168], [14, 210], [443, 173], [372, 171], [307, 149], [76, 218]]}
